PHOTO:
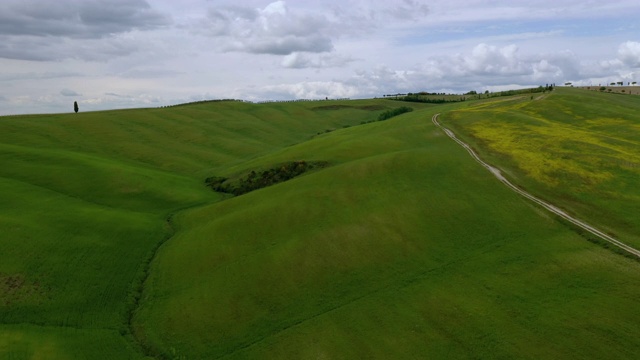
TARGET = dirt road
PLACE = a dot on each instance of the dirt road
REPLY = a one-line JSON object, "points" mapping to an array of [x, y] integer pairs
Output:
{"points": [[496, 172]]}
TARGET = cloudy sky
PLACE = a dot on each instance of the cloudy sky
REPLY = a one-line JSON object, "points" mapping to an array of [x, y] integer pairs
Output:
{"points": [[109, 54]]}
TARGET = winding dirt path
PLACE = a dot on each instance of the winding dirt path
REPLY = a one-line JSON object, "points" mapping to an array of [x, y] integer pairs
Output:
{"points": [[553, 209]]}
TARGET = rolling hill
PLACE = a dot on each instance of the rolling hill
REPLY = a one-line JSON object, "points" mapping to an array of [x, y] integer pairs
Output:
{"points": [[401, 247]]}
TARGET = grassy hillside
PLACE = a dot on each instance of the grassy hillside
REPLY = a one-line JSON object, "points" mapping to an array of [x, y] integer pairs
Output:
{"points": [[576, 148], [405, 248], [402, 247], [85, 203]]}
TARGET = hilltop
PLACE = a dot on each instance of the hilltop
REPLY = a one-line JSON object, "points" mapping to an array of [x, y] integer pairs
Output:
{"points": [[617, 89]]}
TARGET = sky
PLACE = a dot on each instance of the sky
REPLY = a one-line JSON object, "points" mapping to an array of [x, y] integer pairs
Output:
{"points": [[112, 54]]}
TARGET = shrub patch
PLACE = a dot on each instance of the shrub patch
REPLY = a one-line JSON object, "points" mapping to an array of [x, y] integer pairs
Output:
{"points": [[394, 112], [258, 180]]}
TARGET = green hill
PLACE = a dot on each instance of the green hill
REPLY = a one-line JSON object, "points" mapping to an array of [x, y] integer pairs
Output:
{"points": [[401, 247], [575, 148]]}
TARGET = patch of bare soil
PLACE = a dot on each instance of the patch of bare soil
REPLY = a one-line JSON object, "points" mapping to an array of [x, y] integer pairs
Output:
{"points": [[16, 288]]}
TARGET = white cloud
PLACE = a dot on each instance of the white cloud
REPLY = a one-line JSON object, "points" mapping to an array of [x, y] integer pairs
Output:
{"points": [[36, 75], [68, 92], [273, 30], [408, 10], [73, 29], [284, 45], [43, 49], [148, 73], [493, 65], [491, 60], [298, 60], [629, 53], [483, 11], [544, 69], [308, 90], [169, 51], [77, 19], [484, 66], [118, 95]]}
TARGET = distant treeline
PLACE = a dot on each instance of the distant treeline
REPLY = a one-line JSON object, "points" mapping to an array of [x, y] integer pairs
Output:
{"points": [[442, 98], [539, 89]]}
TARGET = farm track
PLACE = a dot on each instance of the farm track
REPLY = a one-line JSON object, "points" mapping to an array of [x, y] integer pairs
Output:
{"points": [[550, 207]]}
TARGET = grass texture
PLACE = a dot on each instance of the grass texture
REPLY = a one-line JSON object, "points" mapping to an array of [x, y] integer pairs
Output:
{"points": [[85, 203], [402, 247], [576, 148]]}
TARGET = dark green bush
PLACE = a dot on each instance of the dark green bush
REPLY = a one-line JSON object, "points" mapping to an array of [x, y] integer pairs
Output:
{"points": [[254, 180], [394, 112]]}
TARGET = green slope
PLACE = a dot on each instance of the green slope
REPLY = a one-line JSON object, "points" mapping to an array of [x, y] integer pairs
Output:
{"points": [[406, 248], [85, 200], [403, 247], [576, 148], [188, 139]]}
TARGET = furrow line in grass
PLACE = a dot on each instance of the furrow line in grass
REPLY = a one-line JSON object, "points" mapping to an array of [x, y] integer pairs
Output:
{"points": [[411, 280], [139, 283], [71, 196], [54, 326], [138, 288], [553, 209], [296, 323]]}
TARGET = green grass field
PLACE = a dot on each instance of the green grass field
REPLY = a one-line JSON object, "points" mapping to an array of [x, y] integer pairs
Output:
{"points": [[85, 202], [403, 247], [576, 148]]}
